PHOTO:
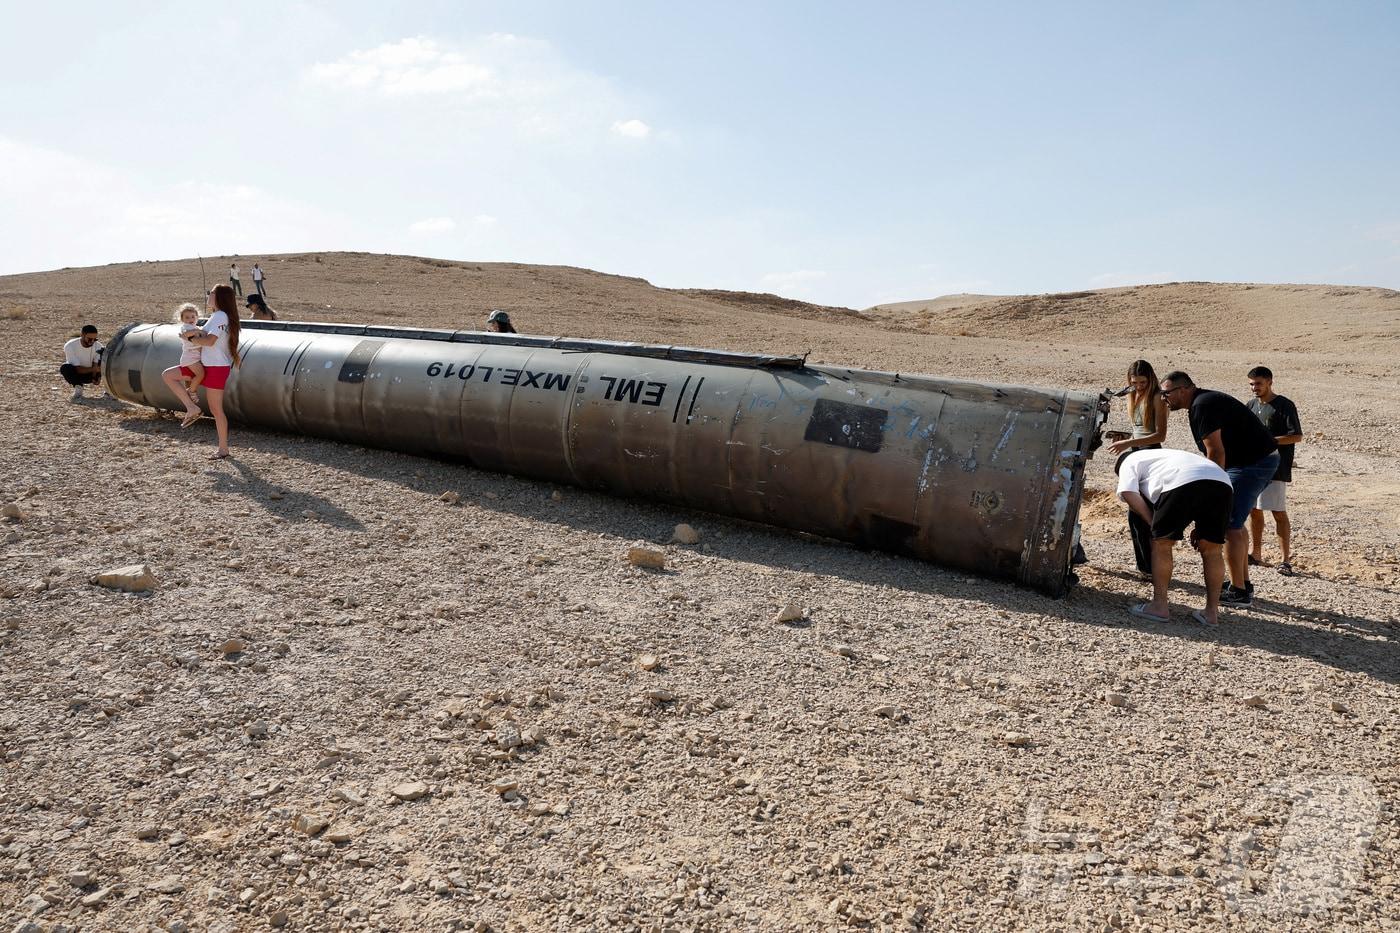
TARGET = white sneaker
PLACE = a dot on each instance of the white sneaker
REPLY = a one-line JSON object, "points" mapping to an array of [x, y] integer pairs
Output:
{"points": [[77, 393]]}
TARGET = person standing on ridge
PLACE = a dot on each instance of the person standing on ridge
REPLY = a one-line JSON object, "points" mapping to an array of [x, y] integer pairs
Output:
{"points": [[233, 282]]}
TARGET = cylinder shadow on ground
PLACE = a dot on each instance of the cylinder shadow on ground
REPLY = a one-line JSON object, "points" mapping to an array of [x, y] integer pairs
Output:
{"points": [[1351, 643], [239, 478]]}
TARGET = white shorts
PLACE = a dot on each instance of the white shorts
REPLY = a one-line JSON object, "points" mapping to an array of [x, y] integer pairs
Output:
{"points": [[1274, 498]]}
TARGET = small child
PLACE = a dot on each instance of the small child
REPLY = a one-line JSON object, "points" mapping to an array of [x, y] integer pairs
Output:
{"points": [[187, 316]]}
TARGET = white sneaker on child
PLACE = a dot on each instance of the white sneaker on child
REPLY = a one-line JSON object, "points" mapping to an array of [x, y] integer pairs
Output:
{"points": [[77, 393]]}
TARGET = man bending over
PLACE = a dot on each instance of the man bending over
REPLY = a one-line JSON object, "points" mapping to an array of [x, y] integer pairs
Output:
{"points": [[1170, 489]]}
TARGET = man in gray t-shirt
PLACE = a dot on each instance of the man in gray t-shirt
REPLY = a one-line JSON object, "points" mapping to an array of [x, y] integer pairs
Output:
{"points": [[1280, 417]]}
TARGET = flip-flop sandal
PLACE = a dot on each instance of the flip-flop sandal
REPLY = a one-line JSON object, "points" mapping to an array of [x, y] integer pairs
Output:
{"points": [[1200, 617], [1285, 569], [190, 418], [1140, 610], [219, 455]]}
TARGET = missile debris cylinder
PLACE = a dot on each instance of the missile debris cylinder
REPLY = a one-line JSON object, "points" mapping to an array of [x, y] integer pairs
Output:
{"points": [[986, 478]]}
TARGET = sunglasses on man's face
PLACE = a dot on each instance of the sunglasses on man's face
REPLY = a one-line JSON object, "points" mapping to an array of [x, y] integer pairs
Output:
{"points": [[1166, 393]]}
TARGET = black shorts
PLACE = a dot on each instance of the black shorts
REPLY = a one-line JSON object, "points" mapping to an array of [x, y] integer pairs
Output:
{"points": [[1205, 502]]}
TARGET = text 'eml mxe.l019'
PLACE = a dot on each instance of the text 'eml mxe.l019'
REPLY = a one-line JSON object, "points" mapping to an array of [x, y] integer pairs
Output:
{"points": [[986, 478]]}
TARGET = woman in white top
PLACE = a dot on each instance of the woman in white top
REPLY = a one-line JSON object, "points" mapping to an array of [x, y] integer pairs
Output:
{"points": [[219, 354]]}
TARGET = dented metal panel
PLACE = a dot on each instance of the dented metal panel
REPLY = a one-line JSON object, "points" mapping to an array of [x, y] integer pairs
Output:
{"points": [[982, 477]]}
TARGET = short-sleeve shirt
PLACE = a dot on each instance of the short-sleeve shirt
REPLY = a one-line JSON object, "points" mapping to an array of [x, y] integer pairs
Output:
{"points": [[1246, 441], [1279, 416], [216, 354], [75, 354], [257, 274], [1151, 473]]}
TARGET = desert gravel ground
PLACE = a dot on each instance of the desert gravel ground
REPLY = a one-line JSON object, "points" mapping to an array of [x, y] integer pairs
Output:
{"points": [[352, 704]]}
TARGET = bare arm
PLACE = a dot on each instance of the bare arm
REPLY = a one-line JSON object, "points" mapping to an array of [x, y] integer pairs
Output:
{"points": [[203, 340], [1285, 439], [1138, 504], [1159, 408], [1215, 448]]}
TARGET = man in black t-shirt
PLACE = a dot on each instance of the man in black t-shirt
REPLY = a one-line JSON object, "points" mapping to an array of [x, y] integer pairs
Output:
{"points": [[1280, 418], [1228, 433]]}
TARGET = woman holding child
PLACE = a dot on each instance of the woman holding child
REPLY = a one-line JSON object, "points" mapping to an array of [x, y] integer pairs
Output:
{"points": [[217, 345]]}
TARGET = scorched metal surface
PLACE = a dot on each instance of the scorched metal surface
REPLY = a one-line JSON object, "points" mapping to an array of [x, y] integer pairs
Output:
{"points": [[987, 478]]}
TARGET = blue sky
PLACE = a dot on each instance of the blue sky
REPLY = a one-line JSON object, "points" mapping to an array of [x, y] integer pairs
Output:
{"points": [[836, 152]]}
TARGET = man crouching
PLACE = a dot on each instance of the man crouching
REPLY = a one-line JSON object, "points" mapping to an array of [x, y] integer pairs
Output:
{"points": [[1170, 489]]}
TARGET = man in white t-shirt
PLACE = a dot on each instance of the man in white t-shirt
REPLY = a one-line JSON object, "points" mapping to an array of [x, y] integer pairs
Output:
{"points": [[233, 281], [82, 361], [258, 279], [1170, 489]]}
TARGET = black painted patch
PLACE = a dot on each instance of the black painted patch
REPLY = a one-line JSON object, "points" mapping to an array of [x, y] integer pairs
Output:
{"points": [[840, 424], [356, 365], [133, 378]]}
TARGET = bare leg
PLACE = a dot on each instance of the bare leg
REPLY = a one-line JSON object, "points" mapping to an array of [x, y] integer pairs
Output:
{"points": [[172, 377], [1256, 534], [1237, 556], [1285, 534], [1214, 569], [1161, 576], [216, 408], [198, 370]]}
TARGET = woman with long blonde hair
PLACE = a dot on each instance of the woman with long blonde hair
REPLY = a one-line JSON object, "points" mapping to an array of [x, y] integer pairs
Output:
{"points": [[1146, 408]]}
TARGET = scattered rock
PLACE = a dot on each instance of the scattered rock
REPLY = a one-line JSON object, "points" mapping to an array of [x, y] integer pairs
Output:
{"points": [[1016, 739], [660, 695], [1116, 699], [1255, 700], [451, 498], [338, 835], [147, 831], [133, 578], [648, 662], [170, 884], [233, 646], [507, 736], [685, 534], [309, 824], [98, 896], [80, 879], [889, 712], [13, 512], [412, 790], [1337, 706], [647, 557], [791, 612], [503, 786], [846, 651]]}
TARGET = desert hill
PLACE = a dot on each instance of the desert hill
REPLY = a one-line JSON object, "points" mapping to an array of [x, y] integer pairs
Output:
{"points": [[1182, 315]]}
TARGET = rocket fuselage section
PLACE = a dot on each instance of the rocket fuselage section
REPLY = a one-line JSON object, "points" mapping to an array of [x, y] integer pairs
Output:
{"points": [[987, 478]]}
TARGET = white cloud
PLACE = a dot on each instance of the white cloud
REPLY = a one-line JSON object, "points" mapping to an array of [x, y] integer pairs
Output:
{"points": [[80, 212], [484, 220], [633, 129], [464, 87], [433, 225], [415, 66]]}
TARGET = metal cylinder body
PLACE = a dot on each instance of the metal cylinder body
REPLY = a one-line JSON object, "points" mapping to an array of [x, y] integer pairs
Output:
{"points": [[987, 478]]}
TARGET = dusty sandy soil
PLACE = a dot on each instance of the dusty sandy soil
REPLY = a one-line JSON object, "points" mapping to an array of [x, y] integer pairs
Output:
{"points": [[853, 769]]}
